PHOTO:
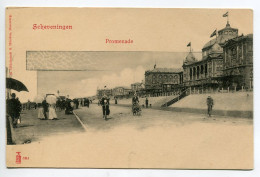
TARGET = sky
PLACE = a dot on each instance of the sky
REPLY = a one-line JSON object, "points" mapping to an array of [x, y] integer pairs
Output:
{"points": [[111, 69]]}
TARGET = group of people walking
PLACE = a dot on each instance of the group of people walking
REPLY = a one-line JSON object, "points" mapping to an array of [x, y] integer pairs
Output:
{"points": [[47, 111]]}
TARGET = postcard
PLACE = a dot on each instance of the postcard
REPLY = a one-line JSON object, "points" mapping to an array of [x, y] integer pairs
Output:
{"points": [[157, 88]]}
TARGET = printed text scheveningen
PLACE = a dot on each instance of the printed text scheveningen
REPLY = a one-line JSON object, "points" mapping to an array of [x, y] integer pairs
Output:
{"points": [[51, 27]]}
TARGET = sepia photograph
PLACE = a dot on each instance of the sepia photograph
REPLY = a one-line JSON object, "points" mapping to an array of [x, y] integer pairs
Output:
{"points": [[174, 93]]}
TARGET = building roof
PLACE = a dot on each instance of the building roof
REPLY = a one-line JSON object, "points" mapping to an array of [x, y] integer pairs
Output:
{"points": [[137, 83], [221, 38], [124, 87], [190, 58], [165, 70], [228, 27], [239, 38]]}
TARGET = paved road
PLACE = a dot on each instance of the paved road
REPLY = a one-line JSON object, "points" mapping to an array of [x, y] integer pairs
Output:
{"points": [[122, 116]]}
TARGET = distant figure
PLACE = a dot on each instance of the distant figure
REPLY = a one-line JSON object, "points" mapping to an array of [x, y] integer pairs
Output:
{"points": [[40, 111], [83, 102], [146, 102], [45, 108], [115, 100], [76, 102], [210, 104], [87, 102], [28, 105], [14, 108], [68, 106], [105, 106], [135, 99], [52, 112]]}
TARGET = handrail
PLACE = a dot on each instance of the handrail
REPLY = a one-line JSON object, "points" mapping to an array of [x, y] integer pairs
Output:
{"points": [[179, 97]]}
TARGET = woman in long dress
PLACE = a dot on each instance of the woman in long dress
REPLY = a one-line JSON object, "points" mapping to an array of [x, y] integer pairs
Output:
{"points": [[40, 111], [52, 112]]}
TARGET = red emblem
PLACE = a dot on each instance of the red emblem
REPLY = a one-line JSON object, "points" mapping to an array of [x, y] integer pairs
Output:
{"points": [[18, 158]]}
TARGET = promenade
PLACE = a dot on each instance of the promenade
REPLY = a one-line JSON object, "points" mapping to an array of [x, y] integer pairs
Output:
{"points": [[32, 129]]}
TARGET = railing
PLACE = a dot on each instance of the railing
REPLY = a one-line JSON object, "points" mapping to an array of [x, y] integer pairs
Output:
{"points": [[169, 103], [218, 90]]}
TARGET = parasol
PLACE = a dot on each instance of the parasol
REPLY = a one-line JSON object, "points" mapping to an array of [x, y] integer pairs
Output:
{"points": [[15, 85], [51, 99], [38, 99]]}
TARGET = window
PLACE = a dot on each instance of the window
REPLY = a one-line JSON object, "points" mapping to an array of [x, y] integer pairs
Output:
{"points": [[175, 79], [154, 79], [249, 47]]}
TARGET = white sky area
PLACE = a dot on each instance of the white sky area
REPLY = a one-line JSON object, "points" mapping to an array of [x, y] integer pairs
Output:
{"points": [[112, 69], [85, 83]]}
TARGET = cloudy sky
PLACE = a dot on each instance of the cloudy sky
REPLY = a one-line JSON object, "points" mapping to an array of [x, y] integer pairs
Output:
{"points": [[100, 69]]}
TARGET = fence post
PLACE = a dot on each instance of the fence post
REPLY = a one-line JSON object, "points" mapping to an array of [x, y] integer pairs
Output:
{"points": [[242, 88], [228, 89]]}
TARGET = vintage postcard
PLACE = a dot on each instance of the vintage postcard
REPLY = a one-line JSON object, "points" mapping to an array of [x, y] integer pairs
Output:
{"points": [[129, 88]]}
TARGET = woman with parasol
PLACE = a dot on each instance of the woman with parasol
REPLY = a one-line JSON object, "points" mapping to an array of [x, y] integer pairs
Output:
{"points": [[51, 100]]}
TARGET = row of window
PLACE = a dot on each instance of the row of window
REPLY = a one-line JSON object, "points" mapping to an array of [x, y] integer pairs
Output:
{"points": [[165, 78]]}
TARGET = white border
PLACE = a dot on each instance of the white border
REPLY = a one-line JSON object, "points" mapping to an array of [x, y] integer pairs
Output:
{"points": [[252, 4]]}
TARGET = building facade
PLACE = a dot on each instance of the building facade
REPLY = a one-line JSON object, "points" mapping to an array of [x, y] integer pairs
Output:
{"points": [[207, 73], [102, 92], [161, 80], [238, 62], [121, 92]]}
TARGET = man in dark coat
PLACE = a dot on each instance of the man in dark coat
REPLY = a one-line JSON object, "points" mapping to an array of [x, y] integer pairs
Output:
{"points": [[45, 106], [210, 104], [87, 102], [14, 108], [146, 102], [105, 105], [135, 99], [68, 107]]}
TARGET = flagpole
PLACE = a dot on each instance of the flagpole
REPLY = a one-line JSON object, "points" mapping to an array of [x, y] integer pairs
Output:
{"points": [[227, 17]]}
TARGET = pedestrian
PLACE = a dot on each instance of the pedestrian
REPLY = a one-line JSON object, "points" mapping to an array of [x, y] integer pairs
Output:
{"points": [[69, 106], [45, 109], [52, 112], [14, 108], [210, 104], [135, 99], [146, 102], [87, 102], [105, 106], [29, 104], [40, 111], [83, 102], [115, 100]]}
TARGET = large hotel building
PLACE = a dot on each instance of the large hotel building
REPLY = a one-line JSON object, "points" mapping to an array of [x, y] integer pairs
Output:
{"points": [[226, 63]]}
